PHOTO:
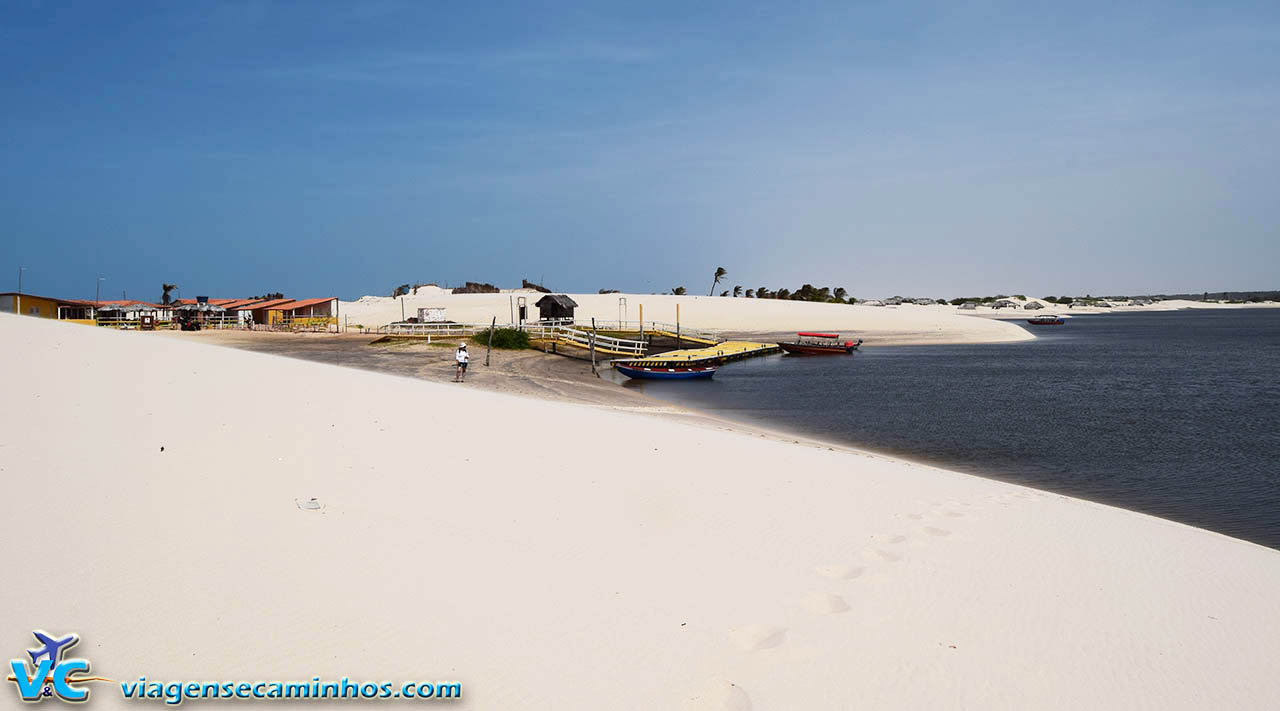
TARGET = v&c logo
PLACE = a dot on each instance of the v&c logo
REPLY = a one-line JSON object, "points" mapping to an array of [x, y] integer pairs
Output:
{"points": [[51, 675]]}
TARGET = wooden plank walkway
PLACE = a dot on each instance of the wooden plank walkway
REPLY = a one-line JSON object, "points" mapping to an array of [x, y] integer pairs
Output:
{"points": [[719, 353]]}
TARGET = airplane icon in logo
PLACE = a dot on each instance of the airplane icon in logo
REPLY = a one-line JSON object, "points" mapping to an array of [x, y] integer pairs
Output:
{"points": [[53, 648]]}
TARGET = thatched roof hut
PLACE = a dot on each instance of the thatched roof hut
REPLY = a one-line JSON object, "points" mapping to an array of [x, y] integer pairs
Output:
{"points": [[555, 306]]}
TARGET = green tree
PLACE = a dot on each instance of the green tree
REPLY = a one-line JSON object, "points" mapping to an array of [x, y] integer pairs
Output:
{"points": [[678, 291], [720, 274], [751, 293], [841, 294], [737, 291]]}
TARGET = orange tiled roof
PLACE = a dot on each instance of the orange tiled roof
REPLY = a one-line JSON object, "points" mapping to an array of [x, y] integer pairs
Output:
{"points": [[301, 304], [239, 304], [265, 304]]}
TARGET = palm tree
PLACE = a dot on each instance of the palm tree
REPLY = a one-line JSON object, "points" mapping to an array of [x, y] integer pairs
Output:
{"points": [[720, 274], [678, 291], [751, 293], [762, 292], [737, 291], [164, 298], [840, 293], [725, 292]]}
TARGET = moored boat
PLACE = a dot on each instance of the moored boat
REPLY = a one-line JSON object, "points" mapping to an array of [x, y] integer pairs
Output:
{"points": [[1046, 320], [810, 343], [662, 372]]}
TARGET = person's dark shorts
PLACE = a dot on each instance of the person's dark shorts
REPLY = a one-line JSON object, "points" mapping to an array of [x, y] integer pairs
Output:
{"points": [[462, 365]]}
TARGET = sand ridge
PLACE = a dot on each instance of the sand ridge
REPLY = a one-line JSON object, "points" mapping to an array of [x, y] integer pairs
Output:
{"points": [[547, 554]]}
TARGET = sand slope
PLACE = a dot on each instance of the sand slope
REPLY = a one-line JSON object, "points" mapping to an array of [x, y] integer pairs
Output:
{"points": [[877, 325], [559, 556]]}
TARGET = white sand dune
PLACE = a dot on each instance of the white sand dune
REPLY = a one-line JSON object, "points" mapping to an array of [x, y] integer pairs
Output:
{"points": [[559, 556], [896, 324]]}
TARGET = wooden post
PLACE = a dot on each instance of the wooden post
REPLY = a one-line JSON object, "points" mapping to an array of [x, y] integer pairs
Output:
{"points": [[593, 348], [490, 348]]}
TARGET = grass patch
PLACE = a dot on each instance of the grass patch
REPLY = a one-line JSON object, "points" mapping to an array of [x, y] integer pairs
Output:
{"points": [[512, 339]]}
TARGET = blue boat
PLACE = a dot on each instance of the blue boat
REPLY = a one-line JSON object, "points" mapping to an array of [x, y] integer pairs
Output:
{"points": [[660, 372]]}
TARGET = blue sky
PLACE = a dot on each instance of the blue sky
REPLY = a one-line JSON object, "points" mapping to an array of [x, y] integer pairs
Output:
{"points": [[928, 149]]}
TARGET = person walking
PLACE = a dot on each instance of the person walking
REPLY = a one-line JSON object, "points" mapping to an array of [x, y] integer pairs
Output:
{"points": [[462, 358]]}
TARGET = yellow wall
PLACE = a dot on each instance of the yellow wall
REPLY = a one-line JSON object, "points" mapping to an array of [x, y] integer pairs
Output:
{"points": [[45, 308]]}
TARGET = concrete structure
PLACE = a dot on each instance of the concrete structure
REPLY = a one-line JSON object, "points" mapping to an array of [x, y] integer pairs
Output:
{"points": [[431, 314]]}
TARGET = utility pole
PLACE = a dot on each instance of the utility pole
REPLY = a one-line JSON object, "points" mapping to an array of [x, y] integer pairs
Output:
{"points": [[97, 292], [593, 348], [489, 350], [17, 302]]}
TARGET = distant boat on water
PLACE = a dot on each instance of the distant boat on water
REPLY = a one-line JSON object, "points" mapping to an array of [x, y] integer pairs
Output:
{"points": [[810, 343], [1046, 320]]}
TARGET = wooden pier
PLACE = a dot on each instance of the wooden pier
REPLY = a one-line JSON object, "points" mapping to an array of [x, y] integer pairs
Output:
{"points": [[711, 355]]}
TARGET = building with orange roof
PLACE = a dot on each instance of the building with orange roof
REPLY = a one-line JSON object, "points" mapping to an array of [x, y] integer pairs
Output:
{"points": [[312, 314], [41, 306]]}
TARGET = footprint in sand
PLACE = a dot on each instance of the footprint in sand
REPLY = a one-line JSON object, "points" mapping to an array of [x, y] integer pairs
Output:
{"points": [[718, 695], [878, 554], [952, 514], [915, 516], [820, 603], [934, 531], [753, 638], [839, 571]]}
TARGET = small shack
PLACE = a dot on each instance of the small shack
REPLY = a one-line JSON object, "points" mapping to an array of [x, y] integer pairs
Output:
{"points": [[1033, 306], [556, 307], [431, 314]]}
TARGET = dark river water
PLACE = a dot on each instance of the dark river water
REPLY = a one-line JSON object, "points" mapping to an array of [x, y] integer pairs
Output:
{"points": [[1175, 414]]}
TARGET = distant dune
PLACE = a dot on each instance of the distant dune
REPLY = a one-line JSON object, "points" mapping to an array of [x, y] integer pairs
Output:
{"points": [[876, 325]]}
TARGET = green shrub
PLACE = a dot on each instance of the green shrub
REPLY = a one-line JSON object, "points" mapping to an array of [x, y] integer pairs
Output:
{"points": [[505, 338]]}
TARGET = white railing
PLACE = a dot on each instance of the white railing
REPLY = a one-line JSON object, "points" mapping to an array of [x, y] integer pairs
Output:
{"points": [[638, 327], [404, 328], [563, 330], [582, 338]]}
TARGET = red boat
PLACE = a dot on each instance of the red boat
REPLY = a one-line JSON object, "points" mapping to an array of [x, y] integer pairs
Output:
{"points": [[808, 343]]}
